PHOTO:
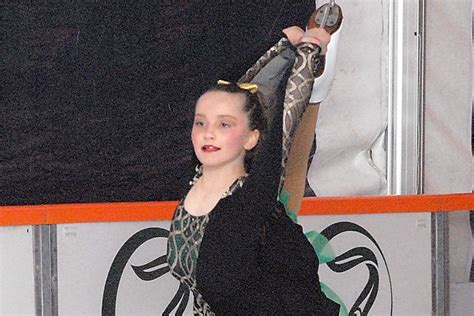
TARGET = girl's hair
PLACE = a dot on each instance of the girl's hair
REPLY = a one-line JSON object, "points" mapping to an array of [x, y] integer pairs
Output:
{"points": [[254, 106]]}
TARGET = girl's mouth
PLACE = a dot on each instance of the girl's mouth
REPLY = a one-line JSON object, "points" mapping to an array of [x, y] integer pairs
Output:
{"points": [[209, 148]]}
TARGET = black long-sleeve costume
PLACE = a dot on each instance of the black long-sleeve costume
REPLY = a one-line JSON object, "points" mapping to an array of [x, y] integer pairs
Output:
{"points": [[246, 257]]}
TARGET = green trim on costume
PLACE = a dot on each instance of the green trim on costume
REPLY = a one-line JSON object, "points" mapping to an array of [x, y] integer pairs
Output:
{"points": [[284, 198], [321, 245]]}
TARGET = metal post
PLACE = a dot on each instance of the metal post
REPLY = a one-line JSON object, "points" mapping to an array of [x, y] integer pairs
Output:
{"points": [[45, 269], [440, 263], [405, 97]]}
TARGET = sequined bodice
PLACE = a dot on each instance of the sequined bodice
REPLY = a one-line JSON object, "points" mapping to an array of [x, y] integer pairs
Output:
{"points": [[184, 241]]}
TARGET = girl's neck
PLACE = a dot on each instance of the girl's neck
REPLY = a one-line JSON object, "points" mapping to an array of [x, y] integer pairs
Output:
{"points": [[210, 188], [217, 178]]}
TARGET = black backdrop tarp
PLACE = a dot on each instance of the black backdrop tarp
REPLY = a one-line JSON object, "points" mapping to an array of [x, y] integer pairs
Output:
{"points": [[97, 96]]}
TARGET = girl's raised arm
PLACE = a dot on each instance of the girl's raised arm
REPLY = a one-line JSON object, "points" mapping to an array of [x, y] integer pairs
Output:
{"points": [[300, 132]]}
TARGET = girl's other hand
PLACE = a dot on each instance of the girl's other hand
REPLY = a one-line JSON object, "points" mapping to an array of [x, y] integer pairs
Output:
{"points": [[317, 36]]}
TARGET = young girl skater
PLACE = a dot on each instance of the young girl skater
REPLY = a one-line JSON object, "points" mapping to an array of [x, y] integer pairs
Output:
{"points": [[231, 241]]}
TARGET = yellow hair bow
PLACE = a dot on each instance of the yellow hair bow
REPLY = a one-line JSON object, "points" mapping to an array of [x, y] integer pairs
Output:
{"points": [[250, 87]]}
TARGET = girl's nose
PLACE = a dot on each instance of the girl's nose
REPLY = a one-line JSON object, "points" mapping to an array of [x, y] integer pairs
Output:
{"points": [[209, 134]]}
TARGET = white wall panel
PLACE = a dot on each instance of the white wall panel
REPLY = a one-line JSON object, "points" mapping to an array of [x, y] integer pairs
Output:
{"points": [[350, 158]]}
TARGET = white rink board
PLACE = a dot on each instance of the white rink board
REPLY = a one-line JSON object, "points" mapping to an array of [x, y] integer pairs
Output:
{"points": [[86, 252], [85, 255], [405, 240], [16, 271]]}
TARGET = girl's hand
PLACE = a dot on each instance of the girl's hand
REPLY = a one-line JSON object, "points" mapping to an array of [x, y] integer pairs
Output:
{"points": [[317, 36]]}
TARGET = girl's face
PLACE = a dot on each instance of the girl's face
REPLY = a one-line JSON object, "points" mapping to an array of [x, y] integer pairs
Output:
{"points": [[221, 134]]}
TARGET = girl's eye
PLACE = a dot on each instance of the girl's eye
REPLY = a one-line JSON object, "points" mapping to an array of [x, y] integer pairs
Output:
{"points": [[225, 125], [198, 123]]}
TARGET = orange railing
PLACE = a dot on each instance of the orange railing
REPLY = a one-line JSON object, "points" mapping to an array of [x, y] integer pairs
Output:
{"points": [[156, 211]]}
